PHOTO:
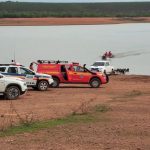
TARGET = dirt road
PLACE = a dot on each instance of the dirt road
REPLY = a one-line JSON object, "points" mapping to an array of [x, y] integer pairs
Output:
{"points": [[125, 127], [70, 21]]}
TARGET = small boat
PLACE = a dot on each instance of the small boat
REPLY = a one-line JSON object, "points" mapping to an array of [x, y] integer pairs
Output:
{"points": [[107, 57]]}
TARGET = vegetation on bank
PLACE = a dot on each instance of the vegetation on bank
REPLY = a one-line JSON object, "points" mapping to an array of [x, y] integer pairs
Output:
{"points": [[29, 10], [85, 115]]}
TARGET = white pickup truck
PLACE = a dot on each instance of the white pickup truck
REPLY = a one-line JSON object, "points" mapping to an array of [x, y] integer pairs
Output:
{"points": [[12, 87], [102, 66]]}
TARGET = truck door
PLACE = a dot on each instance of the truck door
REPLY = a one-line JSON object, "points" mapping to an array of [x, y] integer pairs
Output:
{"points": [[79, 75], [29, 76]]}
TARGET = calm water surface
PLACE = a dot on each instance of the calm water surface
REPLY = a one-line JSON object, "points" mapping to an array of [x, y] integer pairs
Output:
{"points": [[130, 43]]}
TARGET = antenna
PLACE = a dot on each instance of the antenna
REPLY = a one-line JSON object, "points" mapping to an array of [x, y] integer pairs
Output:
{"points": [[14, 59], [14, 56]]}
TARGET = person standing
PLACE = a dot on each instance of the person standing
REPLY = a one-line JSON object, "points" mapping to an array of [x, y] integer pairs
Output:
{"points": [[31, 66]]}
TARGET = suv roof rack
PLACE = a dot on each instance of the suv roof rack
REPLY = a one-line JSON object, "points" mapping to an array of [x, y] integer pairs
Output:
{"points": [[51, 61]]}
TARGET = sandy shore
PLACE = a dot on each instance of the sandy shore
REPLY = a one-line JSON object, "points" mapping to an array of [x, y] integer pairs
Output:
{"points": [[70, 21]]}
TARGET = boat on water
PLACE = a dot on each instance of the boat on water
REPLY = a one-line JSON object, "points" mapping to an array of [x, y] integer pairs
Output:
{"points": [[107, 55]]}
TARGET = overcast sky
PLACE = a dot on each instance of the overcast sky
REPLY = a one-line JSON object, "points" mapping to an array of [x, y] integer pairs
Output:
{"points": [[79, 0]]}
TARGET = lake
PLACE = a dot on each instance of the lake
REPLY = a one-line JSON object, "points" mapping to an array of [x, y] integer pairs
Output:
{"points": [[130, 43]]}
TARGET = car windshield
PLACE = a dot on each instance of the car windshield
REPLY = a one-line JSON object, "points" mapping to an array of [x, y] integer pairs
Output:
{"points": [[26, 71], [98, 64]]}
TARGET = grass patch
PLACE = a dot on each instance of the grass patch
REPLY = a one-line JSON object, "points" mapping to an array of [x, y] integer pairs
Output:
{"points": [[46, 124], [36, 126], [133, 93], [101, 108], [127, 96]]}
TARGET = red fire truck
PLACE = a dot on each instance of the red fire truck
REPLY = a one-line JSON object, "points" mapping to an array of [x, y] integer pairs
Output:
{"points": [[64, 72]]}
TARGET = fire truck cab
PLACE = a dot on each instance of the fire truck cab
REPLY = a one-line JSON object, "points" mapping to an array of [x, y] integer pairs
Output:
{"points": [[64, 72]]}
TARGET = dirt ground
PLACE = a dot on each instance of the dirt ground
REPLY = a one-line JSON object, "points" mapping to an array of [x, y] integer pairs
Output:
{"points": [[125, 127], [70, 21]]}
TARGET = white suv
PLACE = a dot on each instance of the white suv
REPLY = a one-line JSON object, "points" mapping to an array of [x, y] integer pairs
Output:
{"points": [[34, 80], [12, 87], [102, 66]]}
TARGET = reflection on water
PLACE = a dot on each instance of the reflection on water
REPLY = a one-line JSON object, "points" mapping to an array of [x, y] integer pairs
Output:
{"points": [[86, 43]]}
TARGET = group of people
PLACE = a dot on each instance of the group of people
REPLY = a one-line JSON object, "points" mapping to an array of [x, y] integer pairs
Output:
{"points": [[107, 55]]}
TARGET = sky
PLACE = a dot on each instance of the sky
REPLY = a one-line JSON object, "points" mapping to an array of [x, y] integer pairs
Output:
{"points": [[79, 0]]}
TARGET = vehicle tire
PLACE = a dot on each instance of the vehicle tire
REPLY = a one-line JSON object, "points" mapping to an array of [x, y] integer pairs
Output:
{"points": [[95, 83], [55, 83], [42, 85], [12, 92]]}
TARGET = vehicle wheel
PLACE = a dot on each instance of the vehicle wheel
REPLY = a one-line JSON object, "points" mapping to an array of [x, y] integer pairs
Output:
{"points": [[55, 83], [12, 92], [95, 83], [42, 85]]}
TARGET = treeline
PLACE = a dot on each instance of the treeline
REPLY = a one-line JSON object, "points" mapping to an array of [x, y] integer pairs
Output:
{"points": [[25, 9]]}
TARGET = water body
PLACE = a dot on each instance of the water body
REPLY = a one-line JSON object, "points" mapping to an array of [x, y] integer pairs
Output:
{"points": [[130, 43]]}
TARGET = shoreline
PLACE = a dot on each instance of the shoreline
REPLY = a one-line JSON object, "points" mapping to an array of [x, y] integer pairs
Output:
{"points": [[71, 21]]}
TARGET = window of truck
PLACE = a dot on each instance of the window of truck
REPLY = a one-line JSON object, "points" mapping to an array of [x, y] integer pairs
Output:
{"points": [[78, 69], [13, 70], [99, 64], [2, 69]]}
